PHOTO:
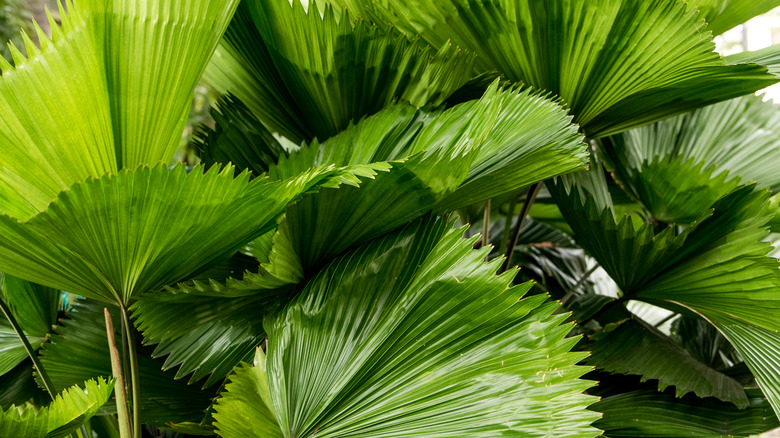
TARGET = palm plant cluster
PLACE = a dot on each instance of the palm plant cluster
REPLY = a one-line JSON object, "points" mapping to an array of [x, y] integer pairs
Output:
{"points": [[343, 260]]}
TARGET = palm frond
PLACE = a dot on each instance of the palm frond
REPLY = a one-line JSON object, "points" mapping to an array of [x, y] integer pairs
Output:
{"points": [[616, 63], [64, 415], [319, 72], [412, 334]]}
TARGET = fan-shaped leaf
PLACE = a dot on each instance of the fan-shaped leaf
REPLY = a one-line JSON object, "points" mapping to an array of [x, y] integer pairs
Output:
{"points": [[616, 63], [80, 352], [722, 15], [734, 139], [321, 72], [412, 335], [633, 347], [64, 415], [137, 231], [646, 413], [110, 89]]}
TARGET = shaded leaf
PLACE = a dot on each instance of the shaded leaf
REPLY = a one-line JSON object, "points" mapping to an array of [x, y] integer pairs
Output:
{"points": [[646, 413], [80, 352], [633, 347], [319, 72], [616, 63]]}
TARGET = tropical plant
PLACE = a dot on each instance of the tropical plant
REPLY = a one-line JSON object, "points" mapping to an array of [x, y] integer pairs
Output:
{"points": [[341, 263]]}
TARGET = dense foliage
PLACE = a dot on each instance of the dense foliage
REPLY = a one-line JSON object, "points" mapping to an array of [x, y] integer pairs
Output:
{"points": [[343, 262]]}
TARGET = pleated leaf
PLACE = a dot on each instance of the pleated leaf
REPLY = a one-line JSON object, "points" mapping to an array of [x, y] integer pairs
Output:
{"points": [[412, 334], [153, 54], [320, 72], [137, 231], [220, 331], [725, 276], [717, 268], [238, 138], [633, 347], [720, 144], [722, 15], [64, 415], [79, 351], [35, 309], [616, 63], [110, 89], [56, 120], [646, 413], [418, 160]]}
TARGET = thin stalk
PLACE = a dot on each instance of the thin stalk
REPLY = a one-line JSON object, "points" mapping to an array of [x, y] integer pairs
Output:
{"points": [[135, 378], [486, 226], [508, 225], [30, 352], [665, 320], [580, 282], [529, 201], [603, 310], [119, 387]]}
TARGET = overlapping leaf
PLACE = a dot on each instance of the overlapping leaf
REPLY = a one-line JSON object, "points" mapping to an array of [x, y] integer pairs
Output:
{"points": [[412, 334], [80, 352], [722, 15], [680, 166], [35, 309], [308, 74], [633, 347], [64, 415], [220, 332], [110, 89], [616, 63], [420, 160], [646, 413], [717, 268], [137, 231]]}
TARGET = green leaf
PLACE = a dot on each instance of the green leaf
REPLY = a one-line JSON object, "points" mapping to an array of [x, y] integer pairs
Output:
{"points": [[677, 190], [220, 331], [769, 57], [717, 268], [627, 248], [238, 138], [416, 160], [722, 15], [646, 413], [79, 352], [137, 231], [18, 386], [64, 415], [247, 397], [678, 167], [616, 63], [532, 140], [321, 72], [56, 121], [35, 309], [413, 334], [153, 54], [110, 89], [633, 347]]}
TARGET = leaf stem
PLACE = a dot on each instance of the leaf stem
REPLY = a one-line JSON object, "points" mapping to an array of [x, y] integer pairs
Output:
{"points": [[486, 226], [508, 224], [119, 388], [579, 283], [28, 347], [135, 378], [529, 201]]}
